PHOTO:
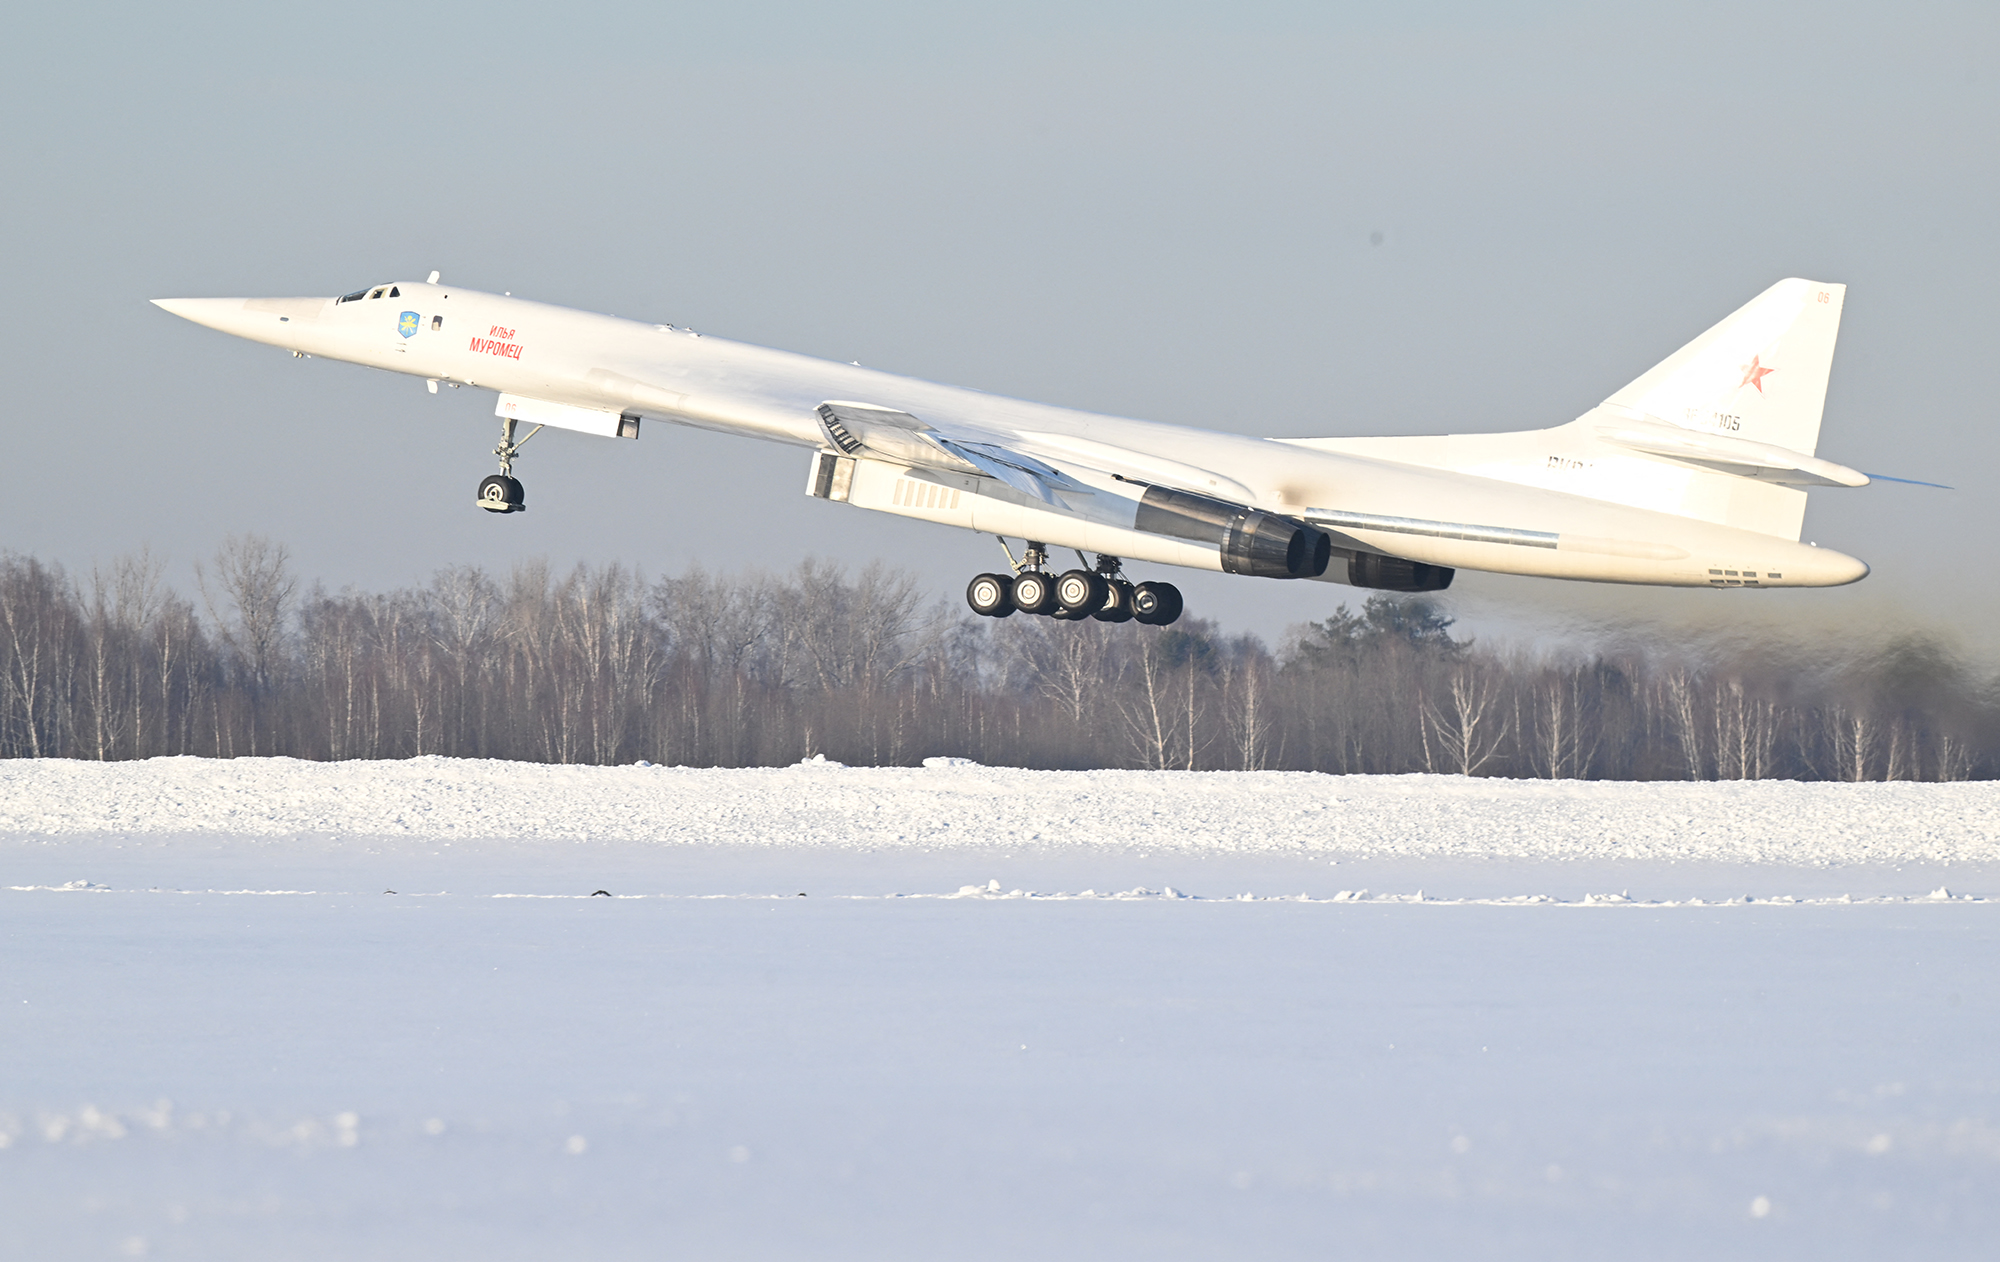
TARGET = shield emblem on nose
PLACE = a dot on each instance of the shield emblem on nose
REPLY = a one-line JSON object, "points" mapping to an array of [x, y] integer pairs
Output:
{"points": [[407, 326]]}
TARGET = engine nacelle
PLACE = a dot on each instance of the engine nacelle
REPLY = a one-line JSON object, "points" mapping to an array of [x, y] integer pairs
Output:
{"points": [[1252, 541], [1394, 574]]}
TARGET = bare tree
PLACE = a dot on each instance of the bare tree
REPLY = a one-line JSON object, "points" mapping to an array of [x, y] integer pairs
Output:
{"points": [[249, 594], [714, 630], [464, 607], [1247, 682], [1852, 737], [1954, 760], [596, 666], [1149, 713], [1745, 732], [1068, 663], [1565, 728], [38, 621], [1680, 708], [120, 608], [1468, 728]]}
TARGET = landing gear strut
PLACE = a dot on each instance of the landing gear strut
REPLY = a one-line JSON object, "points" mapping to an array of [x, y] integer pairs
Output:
{"points": [[1101, 592], [501, 492]]}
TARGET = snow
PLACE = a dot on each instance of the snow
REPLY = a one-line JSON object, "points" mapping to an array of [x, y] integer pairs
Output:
{"points": [[952, 803], [957, 1011]]}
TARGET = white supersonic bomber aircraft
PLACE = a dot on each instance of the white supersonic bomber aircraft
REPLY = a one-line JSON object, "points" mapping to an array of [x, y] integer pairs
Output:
{"points": [[1692, 476]]}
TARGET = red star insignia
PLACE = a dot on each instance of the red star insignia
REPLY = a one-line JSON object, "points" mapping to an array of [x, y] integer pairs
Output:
{"points": [[1754, 374]]}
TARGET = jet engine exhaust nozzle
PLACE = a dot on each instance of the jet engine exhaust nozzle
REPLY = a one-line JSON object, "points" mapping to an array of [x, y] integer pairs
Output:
{"points": [[1253, 542], [1394, 574]]}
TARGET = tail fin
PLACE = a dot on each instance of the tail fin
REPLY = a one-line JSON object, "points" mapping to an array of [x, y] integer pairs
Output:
{"points": [[1758, 375], [1722, 430]]}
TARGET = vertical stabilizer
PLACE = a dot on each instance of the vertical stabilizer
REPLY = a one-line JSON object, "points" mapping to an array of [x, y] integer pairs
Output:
{"points": [[1723, 430], [1759, 375]]}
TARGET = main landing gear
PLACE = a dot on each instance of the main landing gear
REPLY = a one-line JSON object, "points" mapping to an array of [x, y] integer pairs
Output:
{"points": [[1101, 593], [501, 492]]}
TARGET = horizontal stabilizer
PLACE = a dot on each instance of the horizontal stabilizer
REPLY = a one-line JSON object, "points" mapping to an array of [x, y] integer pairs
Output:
{"points": [[1883, 477], [1740, 456]]}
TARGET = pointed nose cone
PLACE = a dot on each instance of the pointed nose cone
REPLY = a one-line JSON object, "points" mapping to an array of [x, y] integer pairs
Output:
{"points": [[274, 321], [225, 314]]}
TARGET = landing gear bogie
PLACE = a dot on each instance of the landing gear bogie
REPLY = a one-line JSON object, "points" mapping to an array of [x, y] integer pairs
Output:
{"points": [[1101, 594]]}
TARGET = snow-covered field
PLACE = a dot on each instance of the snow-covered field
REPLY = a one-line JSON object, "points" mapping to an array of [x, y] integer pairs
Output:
{"points": [[948, 803], [970, 1012]]}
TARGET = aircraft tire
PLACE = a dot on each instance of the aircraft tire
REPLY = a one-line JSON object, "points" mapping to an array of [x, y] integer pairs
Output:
{"points": [[1080, 594], [990, 596], [1156, 604], [499, 493], [1117, 606], [1033, 592]]}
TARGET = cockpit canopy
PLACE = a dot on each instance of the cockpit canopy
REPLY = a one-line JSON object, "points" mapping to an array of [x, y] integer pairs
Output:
{"points": [[374, 292]]}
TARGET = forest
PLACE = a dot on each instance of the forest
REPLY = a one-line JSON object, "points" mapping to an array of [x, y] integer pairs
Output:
{"points": [[602, 665]]}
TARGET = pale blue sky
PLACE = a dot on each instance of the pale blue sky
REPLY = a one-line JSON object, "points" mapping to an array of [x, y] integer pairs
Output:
{"points": [[1153, 210]]}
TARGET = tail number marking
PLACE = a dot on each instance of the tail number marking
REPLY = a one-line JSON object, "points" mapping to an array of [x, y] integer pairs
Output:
{"points": [[1721, 420]]}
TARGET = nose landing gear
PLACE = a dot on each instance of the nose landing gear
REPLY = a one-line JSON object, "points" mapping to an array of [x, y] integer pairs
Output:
{"points": [[1101, 594], [501, 492]]}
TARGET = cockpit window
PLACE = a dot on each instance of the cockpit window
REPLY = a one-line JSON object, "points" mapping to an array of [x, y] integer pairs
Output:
{"points": [[395, 292], [356, 296], [378, 293]]}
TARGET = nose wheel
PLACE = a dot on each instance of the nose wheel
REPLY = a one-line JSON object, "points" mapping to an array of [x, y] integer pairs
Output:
{"points": [[1101, 594], [501, 492]]}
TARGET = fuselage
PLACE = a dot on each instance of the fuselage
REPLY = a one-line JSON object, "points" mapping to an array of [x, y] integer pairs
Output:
{"points": [[536, 351]]}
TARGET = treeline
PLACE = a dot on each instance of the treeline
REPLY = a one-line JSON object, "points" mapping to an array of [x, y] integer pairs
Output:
{"points": [[604, 666]]}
